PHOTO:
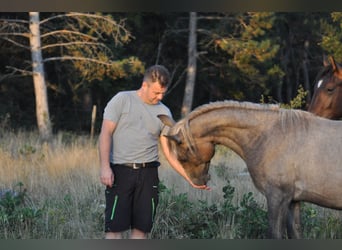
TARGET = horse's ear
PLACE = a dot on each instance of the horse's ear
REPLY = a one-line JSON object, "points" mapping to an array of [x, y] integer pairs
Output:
{"points": [[336, 67], [167, 120], [326, 61], [175, 138], [333, 63]]}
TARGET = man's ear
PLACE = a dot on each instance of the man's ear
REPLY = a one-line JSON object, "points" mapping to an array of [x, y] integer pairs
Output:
{"points": [[167, 120]]}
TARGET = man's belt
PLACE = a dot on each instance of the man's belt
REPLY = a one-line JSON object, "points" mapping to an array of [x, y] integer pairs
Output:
{"points": [[152, 164]]}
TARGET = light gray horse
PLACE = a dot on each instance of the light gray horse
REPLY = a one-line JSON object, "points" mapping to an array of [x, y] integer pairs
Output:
{"points": [[291, 155]]}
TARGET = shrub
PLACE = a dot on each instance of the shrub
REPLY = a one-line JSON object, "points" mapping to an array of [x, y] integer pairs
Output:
{"points": [[177, 217], [17, 215]]}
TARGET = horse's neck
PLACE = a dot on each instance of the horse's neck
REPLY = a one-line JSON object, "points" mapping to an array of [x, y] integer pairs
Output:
{"points": [[237, 129]]}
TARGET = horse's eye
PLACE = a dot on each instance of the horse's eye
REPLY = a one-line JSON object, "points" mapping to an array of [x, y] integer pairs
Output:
{"points": [[330, 90]]}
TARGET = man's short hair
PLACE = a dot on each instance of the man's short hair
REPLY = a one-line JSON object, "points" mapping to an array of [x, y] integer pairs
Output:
{"points": [[157, 73]]}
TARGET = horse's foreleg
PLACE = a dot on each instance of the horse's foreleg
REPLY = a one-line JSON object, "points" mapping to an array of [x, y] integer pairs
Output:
{"points": [[275, 223], [277, 210], [293, 221]]}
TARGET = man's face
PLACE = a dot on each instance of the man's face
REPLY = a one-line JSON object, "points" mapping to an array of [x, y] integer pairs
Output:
{"points": [[153, 92]]}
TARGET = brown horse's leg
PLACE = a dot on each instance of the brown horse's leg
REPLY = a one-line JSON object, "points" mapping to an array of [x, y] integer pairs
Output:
{"points": [[293, 221], [278, 206]]}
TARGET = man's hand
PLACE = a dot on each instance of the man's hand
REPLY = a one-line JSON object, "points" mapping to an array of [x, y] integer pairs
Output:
{"points": [[204, 187], [107, 176]]}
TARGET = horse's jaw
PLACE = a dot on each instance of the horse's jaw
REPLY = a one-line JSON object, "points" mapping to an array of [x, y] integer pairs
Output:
{"points": [[199, 177], [203, 180]]}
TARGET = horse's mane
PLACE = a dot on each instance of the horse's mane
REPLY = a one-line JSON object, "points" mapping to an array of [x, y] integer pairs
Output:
{"points": [[326, 70], [288, 118], [231, 104]]}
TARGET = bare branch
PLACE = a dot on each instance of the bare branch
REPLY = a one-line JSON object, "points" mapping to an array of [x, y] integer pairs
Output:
{"points": [[180, 78], [206, 32], [21, 71], [116, 28], [73, 58], [13, 20], [75, 43], [68, 32], [216, 18], [14, 42], [26, 35], [107, 19], [73, 14]]}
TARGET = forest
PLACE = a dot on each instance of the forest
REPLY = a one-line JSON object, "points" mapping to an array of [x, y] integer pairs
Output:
{"points": [[89, 57]]}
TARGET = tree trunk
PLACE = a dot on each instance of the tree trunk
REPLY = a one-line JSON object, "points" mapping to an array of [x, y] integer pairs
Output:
{"points": [[42, 108], [191, 71]]}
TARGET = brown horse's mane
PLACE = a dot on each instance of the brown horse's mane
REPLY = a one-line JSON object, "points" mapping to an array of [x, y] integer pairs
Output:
{"points": [[326, 70], [288, 118]]}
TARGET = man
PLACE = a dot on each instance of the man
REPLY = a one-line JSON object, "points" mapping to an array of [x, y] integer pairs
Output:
{"points": [[128, 149]]}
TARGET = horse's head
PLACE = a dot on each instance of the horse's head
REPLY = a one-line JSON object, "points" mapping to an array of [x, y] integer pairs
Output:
{"points": [[327, 98], [193, 153]]}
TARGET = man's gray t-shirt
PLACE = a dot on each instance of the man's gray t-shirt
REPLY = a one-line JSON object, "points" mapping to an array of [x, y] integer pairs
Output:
{"points": [[135, 139]]}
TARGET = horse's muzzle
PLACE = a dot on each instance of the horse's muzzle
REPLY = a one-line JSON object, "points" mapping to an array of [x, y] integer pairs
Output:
{"points": [[201, 180]]}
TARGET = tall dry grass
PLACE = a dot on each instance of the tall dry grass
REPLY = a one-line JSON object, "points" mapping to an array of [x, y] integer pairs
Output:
{"points": [[47, 171], [62, 179]]}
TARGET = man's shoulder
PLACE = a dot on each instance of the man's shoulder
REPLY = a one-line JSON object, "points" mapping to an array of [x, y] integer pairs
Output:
{"points": [[163, 105], [124, 93], [164, 108], [122, 96]]}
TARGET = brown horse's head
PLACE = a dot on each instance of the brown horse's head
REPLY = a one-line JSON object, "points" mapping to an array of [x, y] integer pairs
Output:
{"points": [[327, 98], [193, 153]]}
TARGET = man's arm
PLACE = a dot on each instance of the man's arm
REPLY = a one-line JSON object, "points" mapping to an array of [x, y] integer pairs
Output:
{"points": [[171, 158], [105, 141]]}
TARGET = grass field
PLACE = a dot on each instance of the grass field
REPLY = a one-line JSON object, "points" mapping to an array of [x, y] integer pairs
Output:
{"points": [[55, 193]]}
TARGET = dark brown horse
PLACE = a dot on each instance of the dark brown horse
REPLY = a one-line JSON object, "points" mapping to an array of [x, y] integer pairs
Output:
{"points": [[291, 155], [327, 98]]}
